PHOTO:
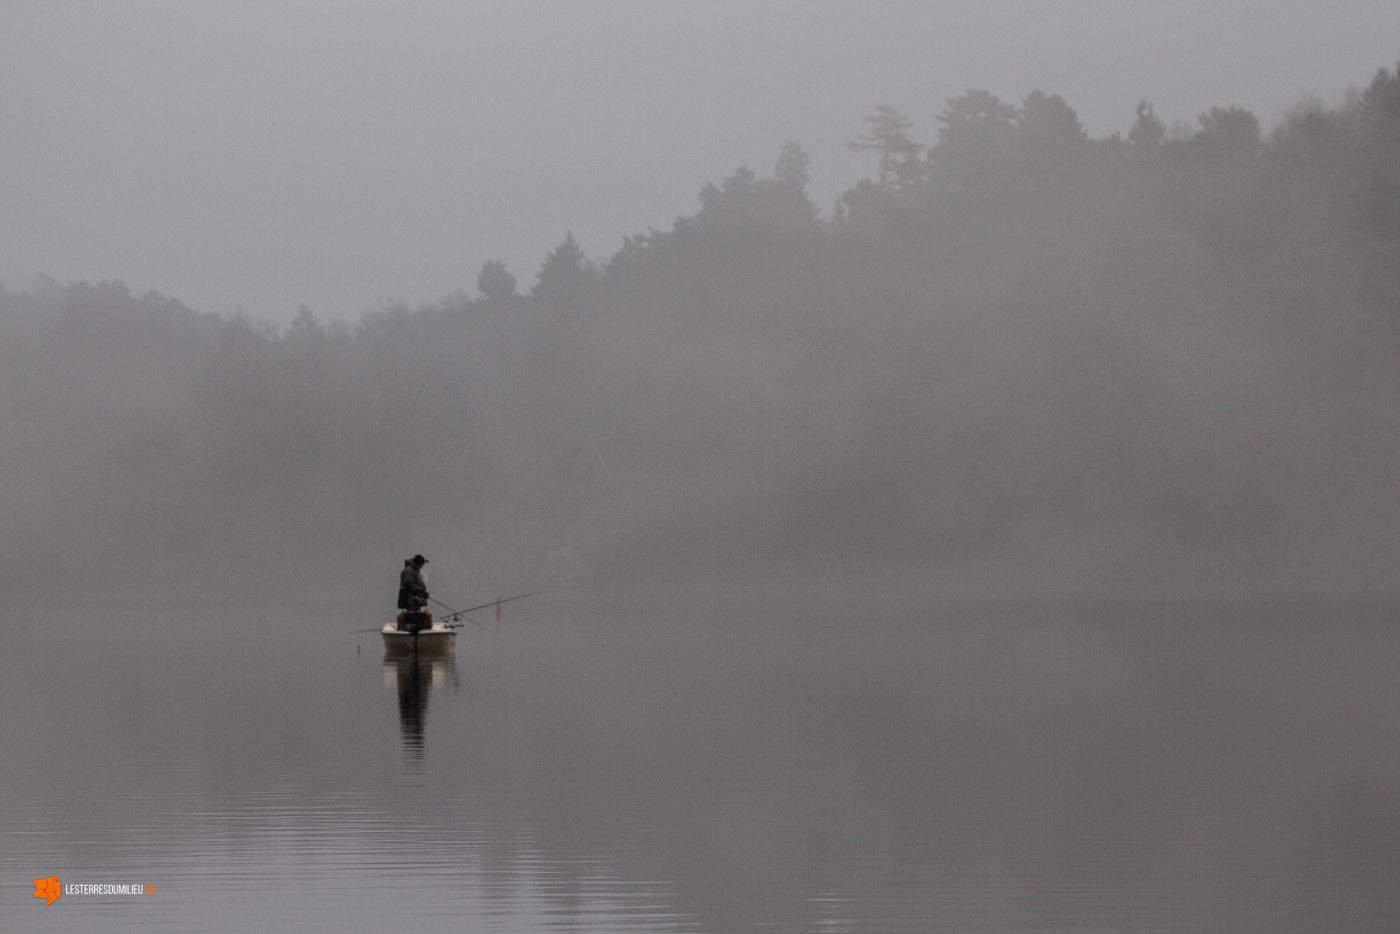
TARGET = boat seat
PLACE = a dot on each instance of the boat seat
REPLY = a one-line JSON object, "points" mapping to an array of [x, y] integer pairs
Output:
{"points": [[414, 620]]}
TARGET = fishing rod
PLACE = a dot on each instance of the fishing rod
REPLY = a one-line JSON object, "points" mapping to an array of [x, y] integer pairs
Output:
{"points": [[499, 600], [457, 615], [462, 614], [452, 614], [496, 603]]}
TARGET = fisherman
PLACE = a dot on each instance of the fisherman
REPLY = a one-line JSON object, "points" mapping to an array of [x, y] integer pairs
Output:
{"points": [[413, 592]]}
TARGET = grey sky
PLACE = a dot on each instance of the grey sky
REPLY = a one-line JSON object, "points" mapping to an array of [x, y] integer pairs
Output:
{"points": [[344, 154]]}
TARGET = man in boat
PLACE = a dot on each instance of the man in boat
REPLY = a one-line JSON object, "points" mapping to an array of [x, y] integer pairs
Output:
{"points": [[413, 594]]}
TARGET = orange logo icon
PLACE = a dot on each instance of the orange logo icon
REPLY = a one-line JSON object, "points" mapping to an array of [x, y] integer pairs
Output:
{"points": [[47, 889]]}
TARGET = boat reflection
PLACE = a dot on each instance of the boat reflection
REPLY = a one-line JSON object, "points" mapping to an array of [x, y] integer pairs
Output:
{"points": [[413, 676]]}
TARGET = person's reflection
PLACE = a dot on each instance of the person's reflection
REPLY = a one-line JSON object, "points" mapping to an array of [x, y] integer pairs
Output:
{"points": [[414, 676]]}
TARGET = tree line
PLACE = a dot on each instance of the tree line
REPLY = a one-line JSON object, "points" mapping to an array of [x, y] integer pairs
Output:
{"points": [[1018, 357]]}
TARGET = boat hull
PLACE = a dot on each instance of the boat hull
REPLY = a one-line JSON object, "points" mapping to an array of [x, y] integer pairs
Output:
{"points": [[435, 639]]}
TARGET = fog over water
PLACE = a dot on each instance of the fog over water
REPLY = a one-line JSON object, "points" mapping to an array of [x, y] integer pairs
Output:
{"points": [[964, 497]]}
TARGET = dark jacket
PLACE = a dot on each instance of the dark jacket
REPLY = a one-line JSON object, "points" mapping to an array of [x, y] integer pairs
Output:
{"points": [[413, 593]]}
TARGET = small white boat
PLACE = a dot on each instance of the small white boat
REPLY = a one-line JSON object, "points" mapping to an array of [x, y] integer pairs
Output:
{"points": [[437, 637]]}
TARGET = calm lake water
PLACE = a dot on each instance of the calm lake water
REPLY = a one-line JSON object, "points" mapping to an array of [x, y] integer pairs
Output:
{"points": [[710, 765]]}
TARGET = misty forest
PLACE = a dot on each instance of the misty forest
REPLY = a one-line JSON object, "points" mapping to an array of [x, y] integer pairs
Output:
{"points": [[1016, 359]]}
